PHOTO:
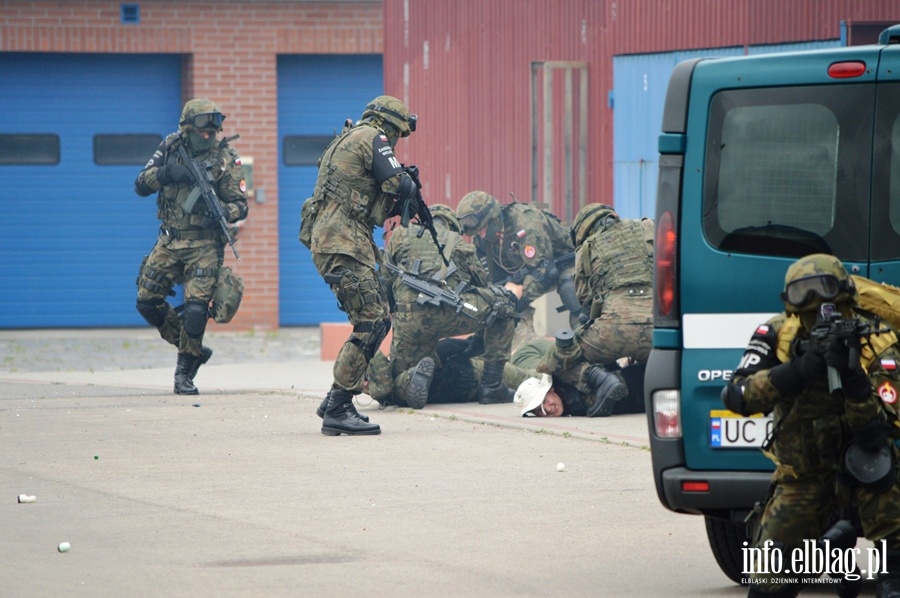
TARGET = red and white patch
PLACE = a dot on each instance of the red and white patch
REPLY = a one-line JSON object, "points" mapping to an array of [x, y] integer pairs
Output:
{"points": [[529, 251], [521, 234], [762, 329], [243, 186], [238, 161], [383, 138], [889, 364], [888, 393]]}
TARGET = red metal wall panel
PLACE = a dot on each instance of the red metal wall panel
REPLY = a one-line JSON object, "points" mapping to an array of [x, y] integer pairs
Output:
{"points": [[464, 66]]}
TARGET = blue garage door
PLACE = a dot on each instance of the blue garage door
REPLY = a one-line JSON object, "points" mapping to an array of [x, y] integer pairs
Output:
{"points": [[75, 130], [640, 82], [316, 93]]}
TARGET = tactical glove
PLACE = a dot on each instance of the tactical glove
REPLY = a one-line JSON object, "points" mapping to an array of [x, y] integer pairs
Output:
{"points": [[872, 436], [793, 376], [838, 355], [173, 174]]}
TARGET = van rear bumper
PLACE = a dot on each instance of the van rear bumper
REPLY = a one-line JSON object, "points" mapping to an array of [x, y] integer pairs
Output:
{"points": [[728, 490]]}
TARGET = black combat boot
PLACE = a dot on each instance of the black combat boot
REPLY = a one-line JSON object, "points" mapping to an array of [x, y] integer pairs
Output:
{"points": [[492, 388], [888, 584], [608, 388], [184, 384], [207, 353], [416, 392], [341, 417], [324, 405]]}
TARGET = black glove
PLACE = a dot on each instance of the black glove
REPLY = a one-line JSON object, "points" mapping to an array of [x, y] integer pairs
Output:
{"points": [[844, 357], [172, 174], [794, 375], [872, 436], [838, 355]]}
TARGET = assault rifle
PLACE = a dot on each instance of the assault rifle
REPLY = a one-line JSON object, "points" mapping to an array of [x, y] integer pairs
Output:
{"points": [[204, 181], [831, 327], [518, 277], [423, 215], [431, 291]]}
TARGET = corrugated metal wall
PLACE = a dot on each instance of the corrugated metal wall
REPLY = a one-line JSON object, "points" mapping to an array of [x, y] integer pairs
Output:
{"points": [[465, 67]]}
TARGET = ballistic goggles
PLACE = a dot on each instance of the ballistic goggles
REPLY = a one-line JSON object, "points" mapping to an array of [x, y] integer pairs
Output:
{"points": [[824, 286], [411, 120], [206, 120], [469, 224]]}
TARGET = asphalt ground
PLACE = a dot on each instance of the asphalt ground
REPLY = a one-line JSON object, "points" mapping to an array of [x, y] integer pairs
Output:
{"points": [[235, 492]]}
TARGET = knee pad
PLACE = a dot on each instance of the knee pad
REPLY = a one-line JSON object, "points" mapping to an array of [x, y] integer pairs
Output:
{"points": [[194, 318], [153, 311], [377, 332]]}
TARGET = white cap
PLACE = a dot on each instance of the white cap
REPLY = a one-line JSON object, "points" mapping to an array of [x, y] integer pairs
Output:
{"points": [[531, 393]]}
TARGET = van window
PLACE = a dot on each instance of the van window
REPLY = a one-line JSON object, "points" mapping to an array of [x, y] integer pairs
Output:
{"points": [[787, 169], [885, 239]]}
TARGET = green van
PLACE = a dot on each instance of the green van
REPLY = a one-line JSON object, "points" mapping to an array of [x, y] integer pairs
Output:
{"points": [[763, 159]]}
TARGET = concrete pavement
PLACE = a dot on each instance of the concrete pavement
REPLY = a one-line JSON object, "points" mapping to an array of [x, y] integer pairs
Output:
{"points": [[283, 362], [235, 492]]}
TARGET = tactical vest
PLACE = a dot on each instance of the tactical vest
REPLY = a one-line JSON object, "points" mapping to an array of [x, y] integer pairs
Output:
{"points": [[410, 247], [624, 256], [171, 198], [335, 185]]}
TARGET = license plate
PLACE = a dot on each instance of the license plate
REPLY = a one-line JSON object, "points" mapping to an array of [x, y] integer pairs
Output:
{"points": [[729, 430]]}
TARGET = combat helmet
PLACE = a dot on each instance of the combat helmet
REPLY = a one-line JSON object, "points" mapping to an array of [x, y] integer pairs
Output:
{"points": [[476, 210], [587, 219], [393, 111], [200, 113], [446, 214], [814, 279]]}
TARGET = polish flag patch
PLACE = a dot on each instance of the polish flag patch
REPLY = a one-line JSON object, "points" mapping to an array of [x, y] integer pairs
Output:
{"points": [[383, 138], [238, 161], [888, 393], [762, 329], [521, 234], [889, 364]]}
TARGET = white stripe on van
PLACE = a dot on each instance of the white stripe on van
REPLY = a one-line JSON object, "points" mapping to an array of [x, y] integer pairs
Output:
{"points": [[719, 331]]}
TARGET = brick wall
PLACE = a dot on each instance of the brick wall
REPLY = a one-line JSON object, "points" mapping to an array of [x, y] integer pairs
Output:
{"points": [[230, 50]]}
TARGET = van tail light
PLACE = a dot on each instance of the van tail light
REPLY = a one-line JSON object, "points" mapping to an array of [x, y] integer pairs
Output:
{"points": [[665, 264], [666, 405]]}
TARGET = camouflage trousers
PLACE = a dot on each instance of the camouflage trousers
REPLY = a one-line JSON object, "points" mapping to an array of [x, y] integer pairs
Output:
{"points": [[195, 264], [801, 509], [361, 297], [623, 329], [418, 328]]}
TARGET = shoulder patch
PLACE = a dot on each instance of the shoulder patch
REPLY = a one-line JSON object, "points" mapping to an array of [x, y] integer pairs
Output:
{"points": [[529, 251], [888, 393], [384, 163]]}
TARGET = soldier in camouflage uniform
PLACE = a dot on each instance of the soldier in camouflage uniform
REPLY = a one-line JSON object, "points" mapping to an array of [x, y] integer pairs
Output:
{"points": [[613, 282], [489, 311], [521, 243], [826, 444], [190, 246], [360, 184]]}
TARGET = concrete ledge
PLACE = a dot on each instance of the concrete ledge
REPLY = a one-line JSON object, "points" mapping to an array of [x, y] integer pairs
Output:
{"points": [[335, 334]]}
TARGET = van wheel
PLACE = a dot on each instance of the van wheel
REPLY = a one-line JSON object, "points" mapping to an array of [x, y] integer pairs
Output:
{"points": [[726, 539]]}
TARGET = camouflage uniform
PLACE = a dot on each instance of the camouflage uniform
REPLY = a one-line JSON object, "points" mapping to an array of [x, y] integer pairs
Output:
{"points": [[521, 244], [613, 282], [418, 327], [360, 184], [782, 373], [189, 249]]}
